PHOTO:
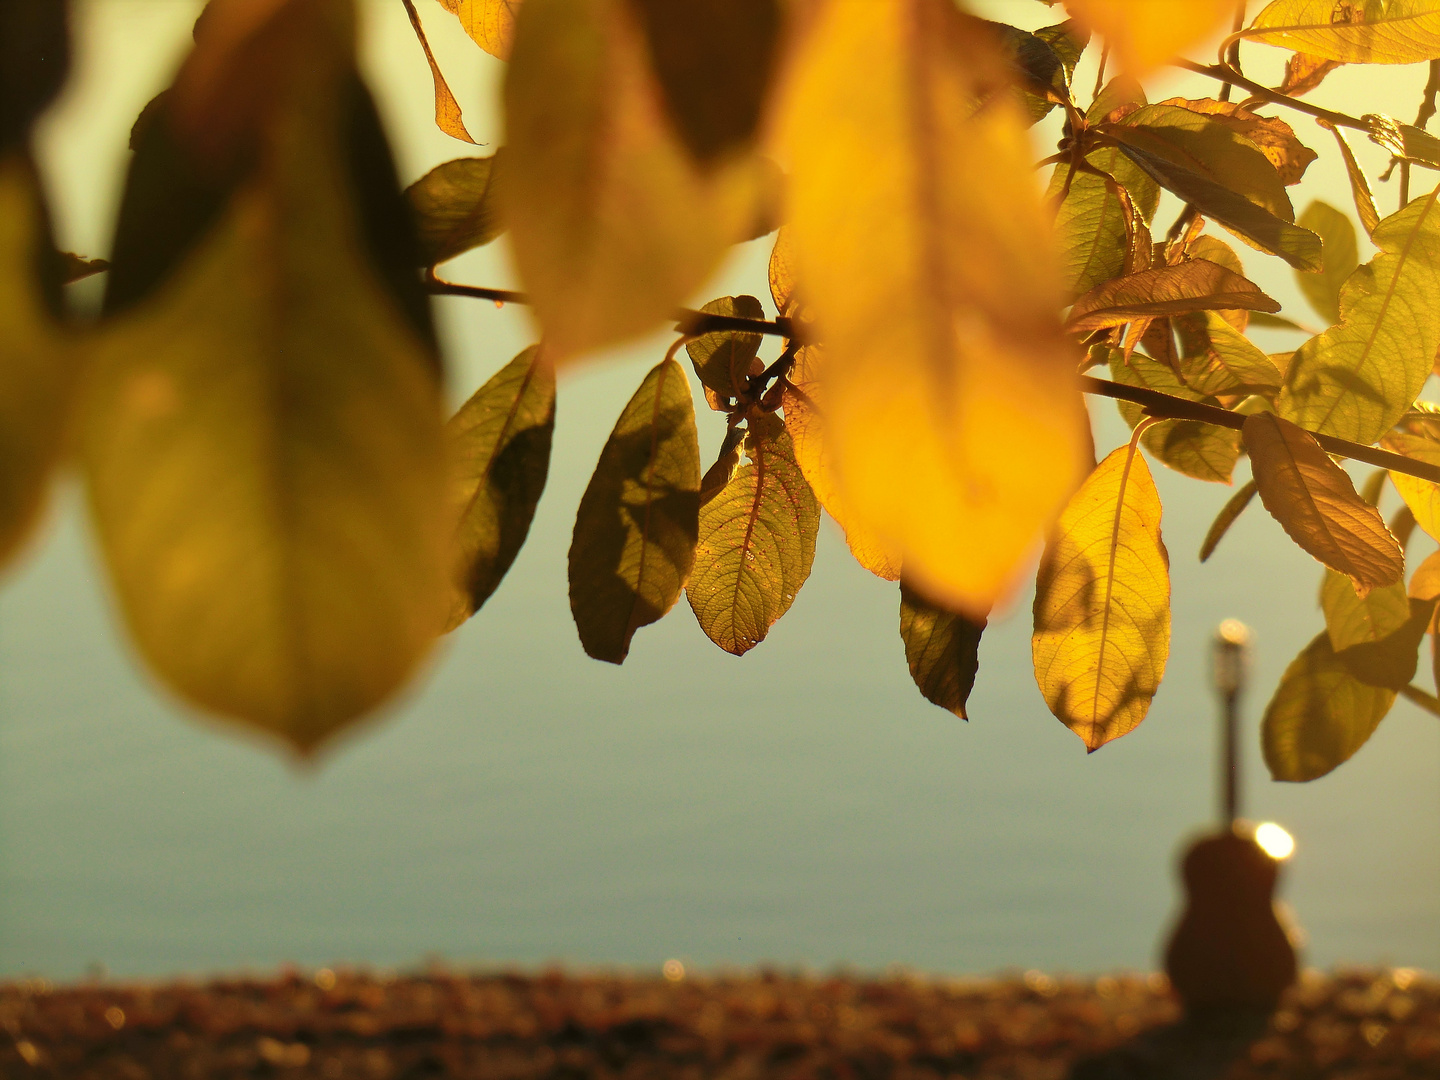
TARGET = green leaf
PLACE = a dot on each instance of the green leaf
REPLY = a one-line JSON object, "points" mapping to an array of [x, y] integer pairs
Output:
{"points": [[1222, 361], [1193, 285], [500, 446], [455, 207], [1359, 182], [1232, 509], [1397, 32], [1315, 502], [612, 222], [1322, 287], [262, 441], [636, 530], [1357, 379], [37, 359], [1090, 222], [1203, 451], [725, 360], [714, 62], [34, 59], [1220, 172], [757, 544], [1102, 603], [1320, 715], [942, 649], [1351, 619], [1038, 65]]}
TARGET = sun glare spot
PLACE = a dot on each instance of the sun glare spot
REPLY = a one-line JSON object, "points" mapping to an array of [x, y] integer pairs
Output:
{"points": [[673, 970], [1276, 842]]}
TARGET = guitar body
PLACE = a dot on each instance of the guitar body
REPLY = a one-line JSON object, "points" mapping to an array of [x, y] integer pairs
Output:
{"points": [[1229, 951]]}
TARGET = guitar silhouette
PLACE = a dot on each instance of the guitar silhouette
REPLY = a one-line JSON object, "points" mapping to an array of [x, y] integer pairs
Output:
{"points": [[1230, 950]]}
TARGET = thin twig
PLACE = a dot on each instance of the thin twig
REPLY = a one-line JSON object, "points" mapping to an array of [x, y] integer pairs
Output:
{"points": [[1173, 408], [1226, 73], [1428, 702], [1234, 54]]}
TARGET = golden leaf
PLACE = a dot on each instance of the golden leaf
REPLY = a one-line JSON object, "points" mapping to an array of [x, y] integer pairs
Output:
{"points": [[1315, 502], [1304, 73], [613, 223], [1322, 287], [757, 543], [1352, 619], [1102, 603], [942, 650], [1193, 285], [500, 446], [447, 109], [491, 23], [1349, 32], [1272, 136], [261, 439], [1204, 451], [1144, 34], [1421, 496], [950, 413], [635, 531], [1232, 509]]}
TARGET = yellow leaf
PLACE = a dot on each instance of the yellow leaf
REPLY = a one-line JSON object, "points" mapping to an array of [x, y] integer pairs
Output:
{"points": [[951, 413], [37, 361], [1232, 509], [805, 404], [942, 649], [490, 22], [1090, 220], [1304, 73], [782, 272], [1102, 603], [262, 440], [1193, 285], [1359, 182], [1322, 287], [1393, 32], [454, 206], [1144, 34], [1218, 360], [1272, 136], [1356, 379], [757, 544], [500, 446], [726, 359], [1425, 585], [613, 223], [1203, 451], [635, 531], [1421, 496], [1352, 619], [447, 109], [1320, 715], [1315, 502]]}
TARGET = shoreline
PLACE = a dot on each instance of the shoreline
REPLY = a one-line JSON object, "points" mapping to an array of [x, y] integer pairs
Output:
{"points": [[1356, 1023]]}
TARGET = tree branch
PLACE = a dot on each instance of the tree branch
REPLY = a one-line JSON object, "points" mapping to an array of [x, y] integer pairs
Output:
{"points": [[1428, 702], [1226, 74], [1167, 407]]}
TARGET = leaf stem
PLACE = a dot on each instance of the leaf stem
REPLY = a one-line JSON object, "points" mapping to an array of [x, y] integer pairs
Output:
{"points": [[1428, 702], [1225, 73], [1173, 408]]}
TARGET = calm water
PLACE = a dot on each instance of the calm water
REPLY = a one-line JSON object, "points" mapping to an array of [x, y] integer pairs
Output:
{"points": [[801, 806]]}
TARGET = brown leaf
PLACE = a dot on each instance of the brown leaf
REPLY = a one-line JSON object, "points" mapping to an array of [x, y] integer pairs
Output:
{"points": [[1304, 73], [1194, 285], [1315, 502], [1273, 136], [447, 109]]}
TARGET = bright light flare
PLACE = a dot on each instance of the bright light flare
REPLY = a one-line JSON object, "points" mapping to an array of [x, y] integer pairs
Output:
{"points": [[1275, 841]]}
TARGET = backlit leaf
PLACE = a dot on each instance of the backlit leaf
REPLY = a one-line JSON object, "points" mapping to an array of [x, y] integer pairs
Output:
{"points": [[1102, 603], [714, 59], [37, 361], [455, 207], [635, 532], [262, 439], [1222, 361], [1390, 661], [1221, 173], [1193, 285], [1315, 502], [1359, 182], [1143, 34], [1351, 619], [805, 402], [725, 360], [757, 544], [923, 251], [1203, 451], [447, 109], [1272, 136], [1322, 287], [1304, 73], [1042, 65], [1356, 379], [500, 449], [1232, 509], [612, 222], [782, 272], [942, 649], [34, 59], [1425, 585], [1421, 496], [1320, 715], [1090, 222], [1395, 32], [1404, 141], [491, 23]]}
